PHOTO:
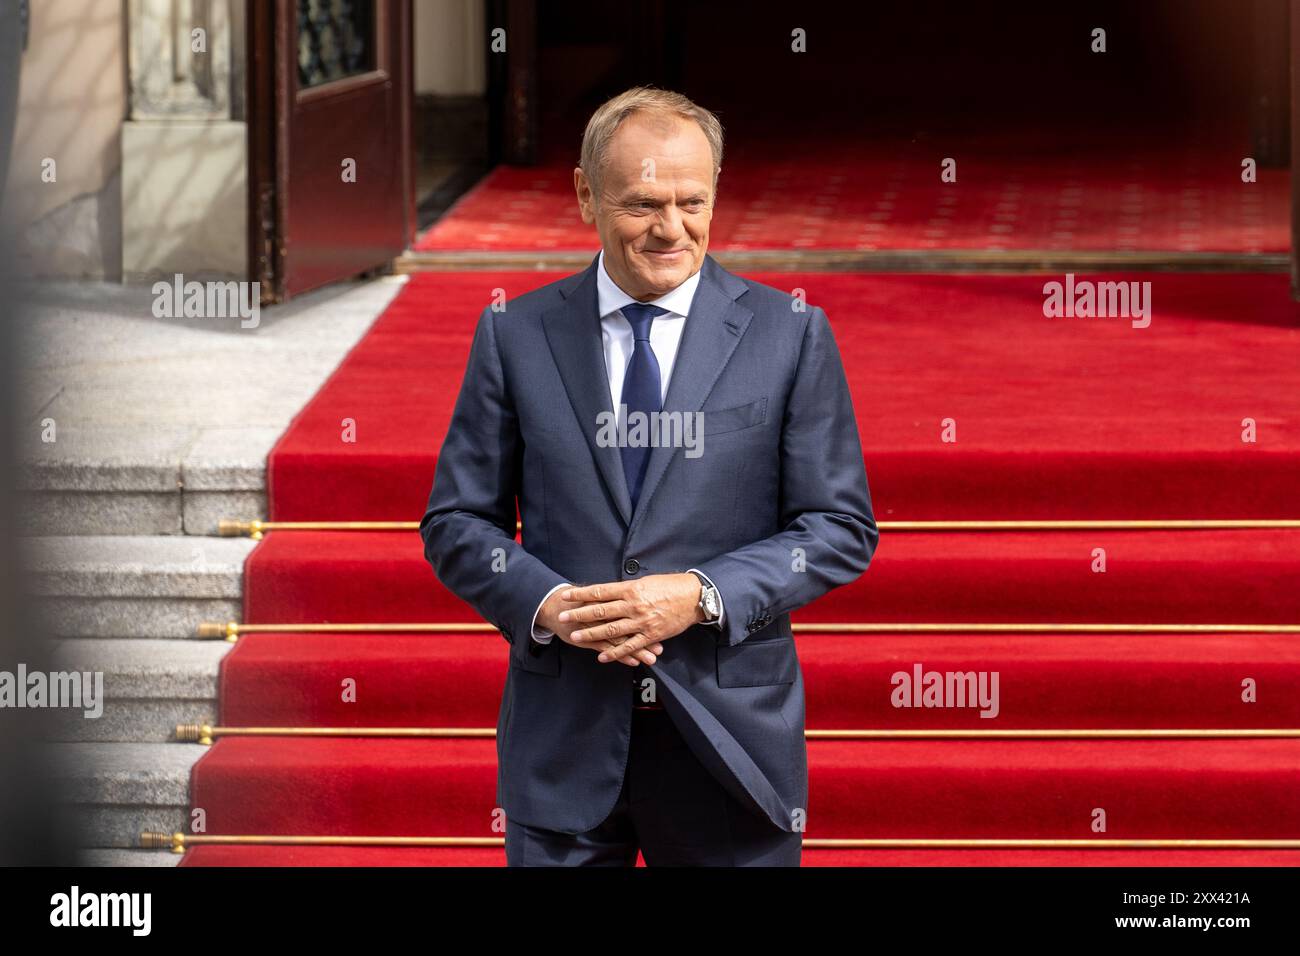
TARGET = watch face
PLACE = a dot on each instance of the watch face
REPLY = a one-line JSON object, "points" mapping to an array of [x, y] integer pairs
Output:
{"points": [[711, 602]]}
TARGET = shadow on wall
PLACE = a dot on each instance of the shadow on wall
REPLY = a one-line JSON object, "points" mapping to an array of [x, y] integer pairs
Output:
{"points": [[62, 196], [28, 828]]}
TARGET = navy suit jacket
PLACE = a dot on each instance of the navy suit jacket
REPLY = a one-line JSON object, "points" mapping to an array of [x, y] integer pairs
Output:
{"points": [[775, 511]]}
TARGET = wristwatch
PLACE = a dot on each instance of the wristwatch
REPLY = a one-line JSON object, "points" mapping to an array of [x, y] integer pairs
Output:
{"points": [[709, 601]]}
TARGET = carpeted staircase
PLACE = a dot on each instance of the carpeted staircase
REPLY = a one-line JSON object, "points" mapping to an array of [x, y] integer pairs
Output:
{"points": [[1025, 190], [1161, 665]]}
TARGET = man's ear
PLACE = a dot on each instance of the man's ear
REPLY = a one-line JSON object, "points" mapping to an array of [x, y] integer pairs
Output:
{"points": [[586, 197]]}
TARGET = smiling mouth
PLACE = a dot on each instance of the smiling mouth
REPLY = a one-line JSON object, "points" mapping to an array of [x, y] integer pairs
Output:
{"points": [[663, 252]]}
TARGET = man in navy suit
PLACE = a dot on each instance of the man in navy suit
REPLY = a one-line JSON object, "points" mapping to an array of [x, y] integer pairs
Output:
{"points": [[681, 449]]}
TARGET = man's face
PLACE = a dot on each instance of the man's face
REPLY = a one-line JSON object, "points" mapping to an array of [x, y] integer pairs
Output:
{"points": [[655, 203]]}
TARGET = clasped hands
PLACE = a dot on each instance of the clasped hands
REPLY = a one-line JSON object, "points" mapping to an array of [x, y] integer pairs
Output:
{"points": [[626, 621]]}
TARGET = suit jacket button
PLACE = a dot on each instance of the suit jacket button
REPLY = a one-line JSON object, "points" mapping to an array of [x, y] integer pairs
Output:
{"points": [[632, 566]]}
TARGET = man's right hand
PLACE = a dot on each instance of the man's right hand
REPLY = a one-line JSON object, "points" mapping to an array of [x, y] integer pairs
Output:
{"points": [[548, 618]]}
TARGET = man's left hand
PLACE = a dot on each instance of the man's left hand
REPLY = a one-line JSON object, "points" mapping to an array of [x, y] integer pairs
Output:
{"points": [[639, 613]]}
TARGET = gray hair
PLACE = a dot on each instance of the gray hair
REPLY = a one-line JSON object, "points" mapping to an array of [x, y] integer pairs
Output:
{"points": [[643, 99]]}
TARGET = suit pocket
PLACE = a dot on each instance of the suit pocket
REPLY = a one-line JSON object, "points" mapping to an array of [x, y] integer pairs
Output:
{"points": [[757, 663], [717, 421], [538, 658]]}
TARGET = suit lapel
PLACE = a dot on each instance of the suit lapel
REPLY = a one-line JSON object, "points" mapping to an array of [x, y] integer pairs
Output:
{"points": [[712, 332], [573, 333]]}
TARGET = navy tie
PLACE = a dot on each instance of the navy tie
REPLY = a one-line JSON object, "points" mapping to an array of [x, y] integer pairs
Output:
{"points": [[641, 388]]}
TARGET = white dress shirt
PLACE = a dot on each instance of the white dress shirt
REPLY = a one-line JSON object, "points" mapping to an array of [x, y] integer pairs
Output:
{"points": [[616, 336]]}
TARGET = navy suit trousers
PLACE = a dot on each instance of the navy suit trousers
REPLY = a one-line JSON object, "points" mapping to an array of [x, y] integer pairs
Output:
{"points": [[670, 808]]}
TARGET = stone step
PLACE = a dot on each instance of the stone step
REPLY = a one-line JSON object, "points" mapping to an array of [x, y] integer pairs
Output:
{"points": [[149, 687], [89, 857], [138, 424], [134, 586], [110, 792], [132, 479], [130, 460], [110, 480]]}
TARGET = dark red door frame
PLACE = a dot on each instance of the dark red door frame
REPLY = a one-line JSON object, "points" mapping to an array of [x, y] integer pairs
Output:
{"points": [[1295, 149], [273, 104], [512, 83]]}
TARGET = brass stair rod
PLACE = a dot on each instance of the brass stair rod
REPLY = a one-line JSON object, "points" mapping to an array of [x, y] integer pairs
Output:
{"points": [[205, 733], [256, 528], [231, 630], [178, 842]]}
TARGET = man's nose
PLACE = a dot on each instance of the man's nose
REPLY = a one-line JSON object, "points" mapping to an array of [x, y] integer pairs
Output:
{"points": [[668, 224]]}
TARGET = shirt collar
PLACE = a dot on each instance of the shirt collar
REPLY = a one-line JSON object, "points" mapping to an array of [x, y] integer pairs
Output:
{"points": [[610, 298]]}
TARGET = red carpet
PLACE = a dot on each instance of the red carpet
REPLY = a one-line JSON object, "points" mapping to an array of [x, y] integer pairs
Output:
{"points": [[983, 789], [1078, 418], [1174, 577], [1064, 418], [495, 856], [887, 195], [1091, 681]]}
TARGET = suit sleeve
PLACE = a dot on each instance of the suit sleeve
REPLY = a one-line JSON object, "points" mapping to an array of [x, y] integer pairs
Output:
{"points": [[540, 634], [829, 532], [469, 525]]}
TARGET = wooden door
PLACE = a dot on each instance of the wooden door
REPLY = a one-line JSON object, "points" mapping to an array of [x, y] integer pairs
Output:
{"points": [[332, 190]]}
